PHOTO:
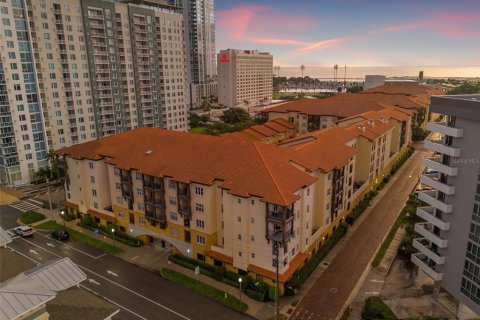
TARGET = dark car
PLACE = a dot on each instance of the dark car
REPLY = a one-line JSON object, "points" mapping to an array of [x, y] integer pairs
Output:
{"points": [[60, 235]]}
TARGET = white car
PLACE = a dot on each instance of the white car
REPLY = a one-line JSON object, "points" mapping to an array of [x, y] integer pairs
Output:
{"points": [[24, 231]]}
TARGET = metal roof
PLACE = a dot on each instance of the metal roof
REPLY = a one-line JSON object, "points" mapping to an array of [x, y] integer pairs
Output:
{"points": [[57, 275], [36, 286], [4, 237]]}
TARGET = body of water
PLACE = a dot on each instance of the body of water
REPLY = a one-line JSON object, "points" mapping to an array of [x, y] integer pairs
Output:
{"points": [[358, 73]]}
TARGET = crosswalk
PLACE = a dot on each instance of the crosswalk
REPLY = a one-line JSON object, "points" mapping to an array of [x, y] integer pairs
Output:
{"points": [[25, 205]]}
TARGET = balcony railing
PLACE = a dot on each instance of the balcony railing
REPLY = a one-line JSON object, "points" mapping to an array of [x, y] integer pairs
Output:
{"points": [[428, 214], [439, 146], [436, 163], [279, 217], [425, 247], [425, 229], [125, 178], [429, 197], [426, 265], [184, 210], [443, 128], [280, 236], [433, 181]]}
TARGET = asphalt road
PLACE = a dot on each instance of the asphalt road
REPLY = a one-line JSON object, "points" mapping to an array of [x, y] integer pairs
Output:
{"points": [[331, 291], [140, 294]]}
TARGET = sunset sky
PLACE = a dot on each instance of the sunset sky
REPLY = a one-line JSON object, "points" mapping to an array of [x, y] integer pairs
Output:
{"points": [[357, 33]]}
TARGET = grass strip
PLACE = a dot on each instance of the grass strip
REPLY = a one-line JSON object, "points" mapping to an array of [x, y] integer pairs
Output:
{"points": [[204, 289], [31, 217], [81, 237]]}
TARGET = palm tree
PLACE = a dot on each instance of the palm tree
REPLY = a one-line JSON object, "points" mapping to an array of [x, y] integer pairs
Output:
{"points": [[303, 80]]}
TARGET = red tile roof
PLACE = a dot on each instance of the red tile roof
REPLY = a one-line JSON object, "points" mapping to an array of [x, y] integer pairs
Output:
{"points": [[245, 168], [266, 130]]}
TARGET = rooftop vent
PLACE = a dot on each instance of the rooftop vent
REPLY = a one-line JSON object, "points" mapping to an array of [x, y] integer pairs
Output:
{"points": [[371, 123], [382, 118], [362, 128], [148, 152]]}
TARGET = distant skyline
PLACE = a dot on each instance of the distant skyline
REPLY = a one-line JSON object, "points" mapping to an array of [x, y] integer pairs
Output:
{"points": [[356, 33]]}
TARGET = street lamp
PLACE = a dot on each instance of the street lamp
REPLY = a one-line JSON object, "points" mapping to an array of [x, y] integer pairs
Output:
{"points": [[63, 217], [240, 282], [113, 234]]}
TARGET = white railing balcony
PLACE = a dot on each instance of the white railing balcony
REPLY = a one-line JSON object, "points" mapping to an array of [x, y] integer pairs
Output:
{"points": [[440, 147], [443, 128], [436, 164], [428, 214], [424, 246], [429, 197], [422, 262], [423, 228], [432, 181]]}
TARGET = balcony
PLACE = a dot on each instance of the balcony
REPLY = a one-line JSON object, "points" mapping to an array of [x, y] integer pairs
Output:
{"points": [[426, 265], [155, 202], [429, 197], [428, 214], [433, 181], [184, 210], [425, 229], [125, 178], [280, 236], [443, 128], [425, 247], [280, 217], [440, 147], [436, 163]]}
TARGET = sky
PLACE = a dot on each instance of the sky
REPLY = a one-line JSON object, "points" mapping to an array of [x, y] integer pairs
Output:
{"points": [[359, 33]]}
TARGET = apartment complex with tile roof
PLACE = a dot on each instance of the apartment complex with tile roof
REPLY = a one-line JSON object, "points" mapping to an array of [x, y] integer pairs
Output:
{"points": [[269, 132], [225, 200]]}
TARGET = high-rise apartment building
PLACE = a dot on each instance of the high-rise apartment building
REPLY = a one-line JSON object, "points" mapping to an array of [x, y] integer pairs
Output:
{"points": [[449, 247], [199, 19], [93, 67], [245, 78]]}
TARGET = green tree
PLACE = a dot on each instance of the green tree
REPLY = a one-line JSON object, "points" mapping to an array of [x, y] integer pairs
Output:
{"points": [[375, 309], [468, 87], [235, 115]]}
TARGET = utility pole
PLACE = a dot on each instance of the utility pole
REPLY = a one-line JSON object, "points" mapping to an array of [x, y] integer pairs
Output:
{"points": [[49, 199], [303, 79], [276, 251]]}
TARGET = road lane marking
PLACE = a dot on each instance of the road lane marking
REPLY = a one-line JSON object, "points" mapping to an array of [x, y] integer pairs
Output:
{"points": [[113, 282], [33, 251], [93, 281], [66, 245], [133, 258], [32, 200], [24, 255], [377, 281], [50, 245], [112, 273], [111, 301]]}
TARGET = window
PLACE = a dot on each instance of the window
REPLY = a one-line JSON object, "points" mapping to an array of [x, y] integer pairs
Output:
{"points": [[173, 216], [138, 176], [172, 184], [199, 207], [308, 192], [239, 219], [252, 220], [116, 171], [141, 220], [200, 223], [239, 236], [252, 238], [172, 200], [200, 240], [90, 165], [119, 200], [253, 255], [92, 179], [139, 192], [118, 185], [95, 205], [94, 192], [199, 191], [239, 253], [239, 201]]}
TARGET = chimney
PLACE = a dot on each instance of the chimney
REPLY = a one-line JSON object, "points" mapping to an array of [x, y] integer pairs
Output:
{"points": [[371, 123]]}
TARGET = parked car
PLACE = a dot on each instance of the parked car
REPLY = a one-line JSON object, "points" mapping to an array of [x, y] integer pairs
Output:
{"points": [[24, 231], [60, 235]]}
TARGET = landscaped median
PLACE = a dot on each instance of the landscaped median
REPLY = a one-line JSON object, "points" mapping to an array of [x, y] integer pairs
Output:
{"points": [[80, 237], [30, 217], [204, 289]]}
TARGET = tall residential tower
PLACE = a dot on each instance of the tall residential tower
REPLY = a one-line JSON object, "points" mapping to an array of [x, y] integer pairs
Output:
{"points": [[449, 247], [77, 70]]}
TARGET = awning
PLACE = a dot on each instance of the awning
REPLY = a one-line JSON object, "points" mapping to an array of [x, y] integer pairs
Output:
{"points": [[101, 215], [295, 263], [71, 205], [220, 256]]}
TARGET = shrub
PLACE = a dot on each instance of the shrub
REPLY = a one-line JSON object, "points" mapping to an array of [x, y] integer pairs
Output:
{"points": [[272, 293], [31, 217], [256, 295], [375, 308], [220, 273], [87, 221], [247, 281]]}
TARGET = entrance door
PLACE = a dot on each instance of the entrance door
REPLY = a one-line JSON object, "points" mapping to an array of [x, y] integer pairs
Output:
{"points": [[187, 237]]}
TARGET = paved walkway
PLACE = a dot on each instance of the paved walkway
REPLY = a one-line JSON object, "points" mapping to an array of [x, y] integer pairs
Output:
{"points": [[338, 283], [391, 253]]}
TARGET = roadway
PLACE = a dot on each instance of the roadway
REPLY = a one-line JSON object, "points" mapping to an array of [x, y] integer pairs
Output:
{"points": [[333, 289], [140, 294]]}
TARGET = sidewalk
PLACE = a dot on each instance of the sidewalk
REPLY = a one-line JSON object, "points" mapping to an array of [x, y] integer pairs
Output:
{"points": [[387, 260]]}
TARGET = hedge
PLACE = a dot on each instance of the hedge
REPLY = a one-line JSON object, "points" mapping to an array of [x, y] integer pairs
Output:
{"points": [[301, 275], [375, 308], [119, 236], [31, 217]]}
